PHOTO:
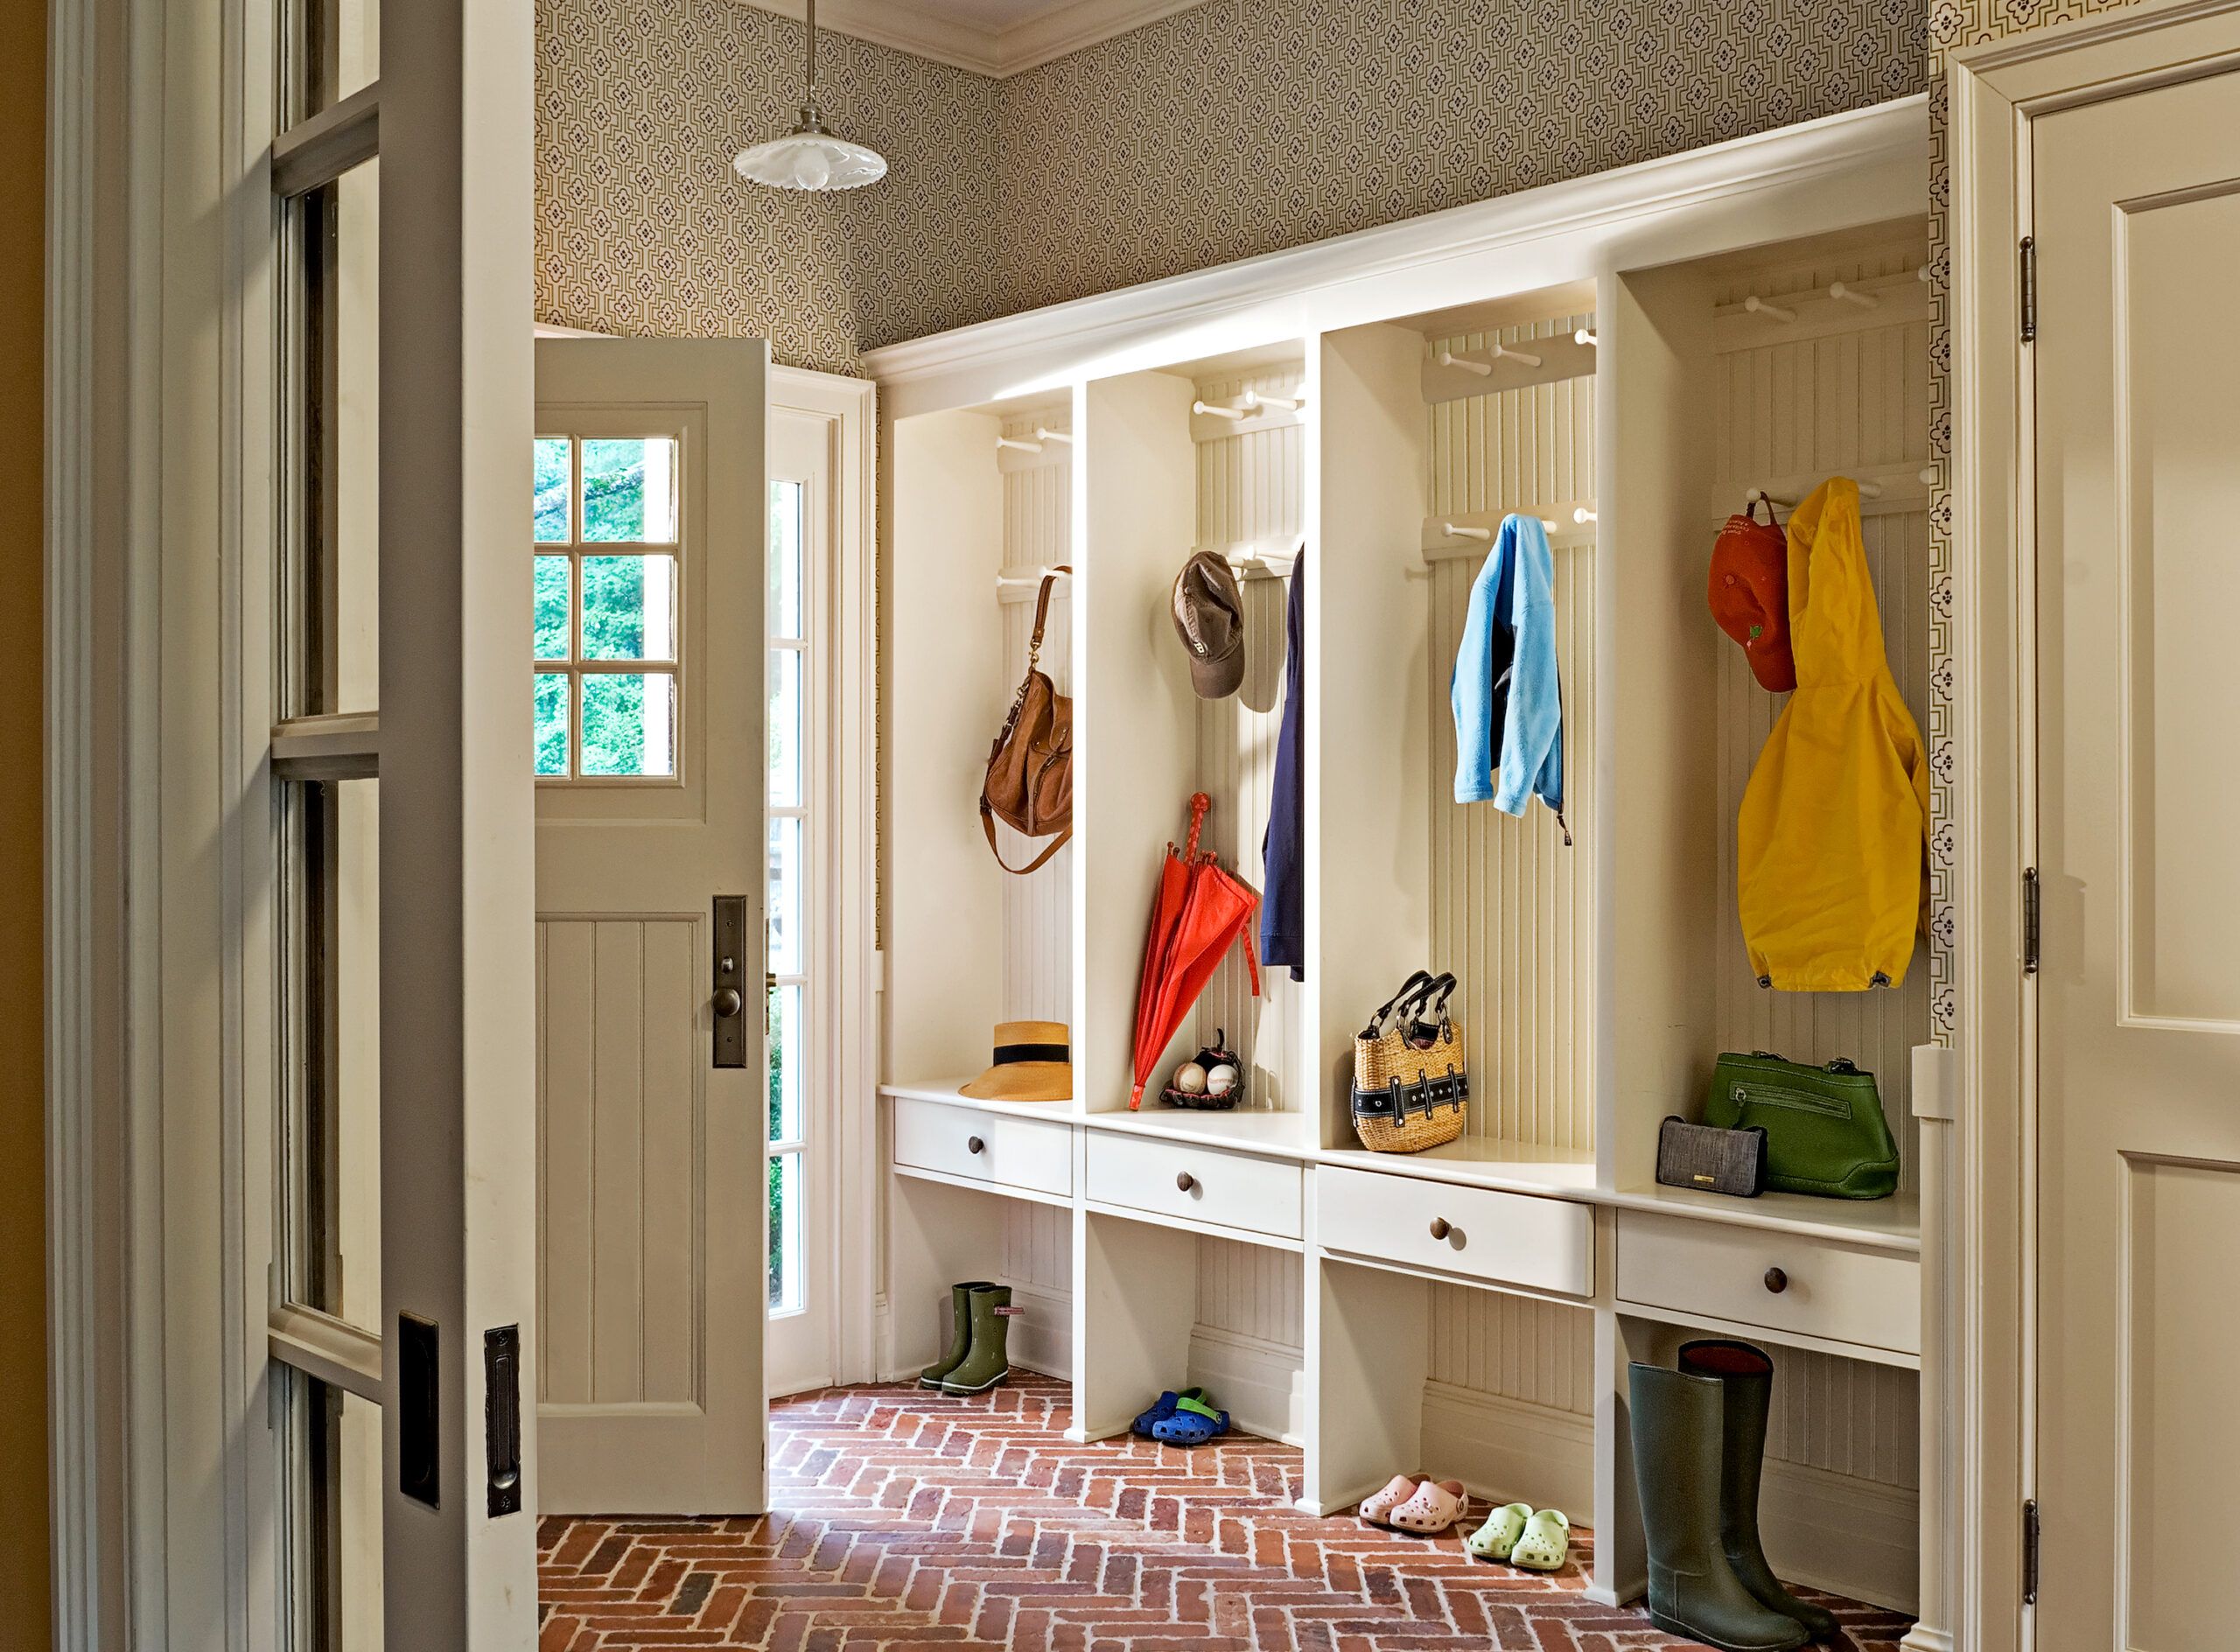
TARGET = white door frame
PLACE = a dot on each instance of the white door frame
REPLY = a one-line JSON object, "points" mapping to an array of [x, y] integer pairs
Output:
{"points": [[850, 976], [1996, 90]]}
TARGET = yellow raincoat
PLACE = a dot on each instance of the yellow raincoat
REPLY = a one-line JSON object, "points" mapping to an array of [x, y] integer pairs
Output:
{"points": [[1830, 843]]}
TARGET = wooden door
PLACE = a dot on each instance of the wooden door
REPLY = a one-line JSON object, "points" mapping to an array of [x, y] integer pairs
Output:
{"points": [[649, 526], [2137, 227]]}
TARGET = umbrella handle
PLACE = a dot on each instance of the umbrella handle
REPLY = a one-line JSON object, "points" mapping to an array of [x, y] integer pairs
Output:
{"points": [[1198, 804]]}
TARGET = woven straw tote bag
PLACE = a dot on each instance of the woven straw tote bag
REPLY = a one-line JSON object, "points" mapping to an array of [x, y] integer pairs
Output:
{"points": [[1411, 1085]]}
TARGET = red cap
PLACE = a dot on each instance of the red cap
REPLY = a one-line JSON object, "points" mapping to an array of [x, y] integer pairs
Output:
{"points": [[1749, 594]]}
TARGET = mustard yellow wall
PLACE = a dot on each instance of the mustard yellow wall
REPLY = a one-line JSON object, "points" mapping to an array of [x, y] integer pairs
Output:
{"points": [[23, 1198]]}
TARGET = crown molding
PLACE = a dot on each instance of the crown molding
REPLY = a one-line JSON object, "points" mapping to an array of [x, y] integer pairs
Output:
{"points": [[925, 29]]}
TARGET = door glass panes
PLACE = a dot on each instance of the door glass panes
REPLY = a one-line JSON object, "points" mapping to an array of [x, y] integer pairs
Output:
{"points": [[331, 880], [789, 964], [628, 724], [629, 607], [630, 490], [609, 620], [785, 727], [332, 1486], [333, 656]]}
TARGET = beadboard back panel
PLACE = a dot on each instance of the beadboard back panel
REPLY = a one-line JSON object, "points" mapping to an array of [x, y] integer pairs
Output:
{"points": [[1038, 533], [1848, 396], [1251, 502], [1512, 906]]}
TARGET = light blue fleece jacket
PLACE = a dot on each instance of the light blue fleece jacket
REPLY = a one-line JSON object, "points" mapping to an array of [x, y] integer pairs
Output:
{"points": [[1508, 708]]}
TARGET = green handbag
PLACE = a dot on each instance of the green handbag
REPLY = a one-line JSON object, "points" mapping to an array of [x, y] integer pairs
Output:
{"points": [[1824, 1129]]}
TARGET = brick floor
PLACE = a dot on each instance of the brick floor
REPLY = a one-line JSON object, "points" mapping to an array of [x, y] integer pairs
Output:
{"points": [[910, 1520]]}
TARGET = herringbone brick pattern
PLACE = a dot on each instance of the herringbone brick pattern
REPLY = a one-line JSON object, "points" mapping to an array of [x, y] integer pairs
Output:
{"points": [[910, 1520]]}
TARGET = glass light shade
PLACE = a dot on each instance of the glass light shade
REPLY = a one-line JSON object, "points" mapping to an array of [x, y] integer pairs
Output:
{"points": [[807, 157]]}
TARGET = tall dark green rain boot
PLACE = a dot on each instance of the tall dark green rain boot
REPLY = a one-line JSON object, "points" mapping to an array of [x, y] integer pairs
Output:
{"points": [[989, 1361], [1692, 1589], [960, 1335], [1746, 1374]]}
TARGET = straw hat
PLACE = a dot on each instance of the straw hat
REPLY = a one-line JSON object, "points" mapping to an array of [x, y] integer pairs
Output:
{"points": [[1034, 1062]]}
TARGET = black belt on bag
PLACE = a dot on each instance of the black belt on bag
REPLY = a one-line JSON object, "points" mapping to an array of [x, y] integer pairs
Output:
{"points": [[1425, 1095]]}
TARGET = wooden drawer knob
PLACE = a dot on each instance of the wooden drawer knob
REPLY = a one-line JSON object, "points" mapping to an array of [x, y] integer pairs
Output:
{"points": [[1776, 1281], [1439, 1228], [974, 1145], [1185, 1181]]}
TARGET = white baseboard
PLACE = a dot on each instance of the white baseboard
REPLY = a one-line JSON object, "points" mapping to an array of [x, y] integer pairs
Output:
{"points": [[1857, 1537], [1510, 1450], [1261, 1384]]}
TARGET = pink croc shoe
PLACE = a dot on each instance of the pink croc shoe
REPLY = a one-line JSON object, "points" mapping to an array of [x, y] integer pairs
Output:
{"points": [[1436, 1505], [1376, 1510]]}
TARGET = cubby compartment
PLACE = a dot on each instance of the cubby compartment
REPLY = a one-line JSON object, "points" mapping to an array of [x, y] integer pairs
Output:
{"points": [[985, 508], [1210, 457], [1769, 370], [1435, 428]]}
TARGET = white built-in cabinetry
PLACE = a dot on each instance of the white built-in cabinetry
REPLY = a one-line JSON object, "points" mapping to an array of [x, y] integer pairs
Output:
{"points": [[1473, 1309]]}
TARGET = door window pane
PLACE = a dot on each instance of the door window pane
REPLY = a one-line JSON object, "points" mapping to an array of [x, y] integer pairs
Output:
{"points": [[554, 475], [341, 48], [785, 728], [551, 608], [787, 1054], [630, 489], [787, 500], [551, 723], [785, 897], [331, 877], [332, 1454], [629, 607], [785, 1232], [629, 724]]}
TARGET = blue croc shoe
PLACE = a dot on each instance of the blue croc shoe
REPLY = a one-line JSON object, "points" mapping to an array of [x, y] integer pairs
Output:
{"points": [[1162, 1408], [1193, 1424]]}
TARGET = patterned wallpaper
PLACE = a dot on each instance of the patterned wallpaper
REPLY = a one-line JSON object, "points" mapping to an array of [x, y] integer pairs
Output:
{"points": [[1237, 128], [643, 227], [1953, 24], [1245, 126]]}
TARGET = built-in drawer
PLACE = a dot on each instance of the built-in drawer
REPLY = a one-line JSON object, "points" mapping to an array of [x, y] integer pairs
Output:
{"points": [[1808, 1286], [1198, 1184], [1545, 1244], [989, 1147]]}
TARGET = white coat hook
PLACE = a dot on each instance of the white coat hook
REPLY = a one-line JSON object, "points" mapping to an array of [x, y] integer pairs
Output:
{"points": [[1033, 576], [1870, 490], [1581, 514], [1852, 294], [1448, 359], [1926, 476], [1486, 534], [1220, 412], [1585, 336], [1044, 433], [1502, 350], [1757, 495], [1921, 273], [1758, 306], [1018, 444], [1256, 399]]}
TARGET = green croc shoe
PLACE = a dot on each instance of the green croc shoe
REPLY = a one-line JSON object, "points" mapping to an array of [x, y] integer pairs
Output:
{"points": [[1546, 1544], [1497, 1537]]}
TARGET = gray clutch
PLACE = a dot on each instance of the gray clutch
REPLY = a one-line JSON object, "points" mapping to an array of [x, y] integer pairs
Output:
{"points": [[1710, 1159]]}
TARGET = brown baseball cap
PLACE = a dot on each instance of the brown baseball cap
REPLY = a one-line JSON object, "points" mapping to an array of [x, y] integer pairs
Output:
{"points": [[1209, 618]]}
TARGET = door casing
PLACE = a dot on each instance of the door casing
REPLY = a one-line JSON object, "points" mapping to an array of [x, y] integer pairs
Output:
{"points": [[1987, 1229]]}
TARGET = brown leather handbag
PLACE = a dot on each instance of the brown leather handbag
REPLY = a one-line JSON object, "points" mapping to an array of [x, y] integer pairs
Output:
{"points": [[1030, 780]]}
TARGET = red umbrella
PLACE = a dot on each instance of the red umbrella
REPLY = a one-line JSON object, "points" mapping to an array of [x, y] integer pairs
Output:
{"points": [[1198, 913]]}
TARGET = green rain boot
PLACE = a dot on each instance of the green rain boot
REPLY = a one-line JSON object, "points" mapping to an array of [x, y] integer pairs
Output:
{"points": [[988, 1363], [960, 1335], [1746, 1376], [1692, 1589]]}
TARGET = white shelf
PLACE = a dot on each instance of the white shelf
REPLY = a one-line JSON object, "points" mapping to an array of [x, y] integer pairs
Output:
{"points": [[1277, 1133], [1481, 1161], [944, 1090]]}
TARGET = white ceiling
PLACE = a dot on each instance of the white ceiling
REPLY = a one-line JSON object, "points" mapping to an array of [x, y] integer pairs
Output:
{"points": [[991, 36]]}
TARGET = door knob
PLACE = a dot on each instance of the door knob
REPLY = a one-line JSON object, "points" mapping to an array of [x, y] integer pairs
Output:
{"points": [[728, 1003], [1776, 1281]]}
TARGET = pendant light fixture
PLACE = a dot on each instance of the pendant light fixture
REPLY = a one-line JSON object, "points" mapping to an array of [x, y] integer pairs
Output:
{"points": [[810, 156]]}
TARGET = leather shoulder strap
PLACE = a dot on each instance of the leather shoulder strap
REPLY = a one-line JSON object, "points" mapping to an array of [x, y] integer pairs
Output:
{"points": [[988, 825], [1042, 605]]}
